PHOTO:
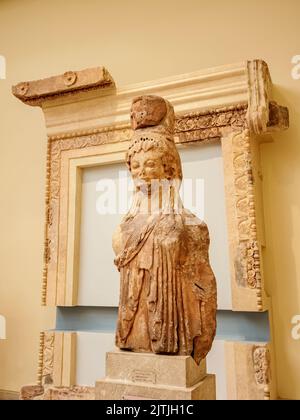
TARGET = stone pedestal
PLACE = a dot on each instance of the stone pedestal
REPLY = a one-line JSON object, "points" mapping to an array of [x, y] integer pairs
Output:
{"points": [[151, 376]]}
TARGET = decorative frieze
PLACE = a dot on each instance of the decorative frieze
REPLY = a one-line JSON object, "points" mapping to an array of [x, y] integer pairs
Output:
{"points": [[247, 257]]}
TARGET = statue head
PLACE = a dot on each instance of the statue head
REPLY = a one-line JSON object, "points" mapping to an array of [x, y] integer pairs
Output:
{"points": [[152, 154]]}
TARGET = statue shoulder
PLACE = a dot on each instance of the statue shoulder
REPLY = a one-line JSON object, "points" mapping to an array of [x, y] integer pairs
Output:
{"points": [[197, 228]]}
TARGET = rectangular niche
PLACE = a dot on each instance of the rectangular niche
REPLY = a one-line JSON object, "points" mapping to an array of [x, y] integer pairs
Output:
{"points": [[104, 202]]}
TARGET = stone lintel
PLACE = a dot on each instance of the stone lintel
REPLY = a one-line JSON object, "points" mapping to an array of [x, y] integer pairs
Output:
{"points": [[36, 92]]}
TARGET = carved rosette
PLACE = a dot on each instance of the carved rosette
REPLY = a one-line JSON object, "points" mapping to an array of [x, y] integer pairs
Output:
{"points": [[68, 393], [262, 368]]}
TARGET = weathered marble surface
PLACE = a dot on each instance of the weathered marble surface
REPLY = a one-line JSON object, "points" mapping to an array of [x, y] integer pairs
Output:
{"points": [[168, 296]]}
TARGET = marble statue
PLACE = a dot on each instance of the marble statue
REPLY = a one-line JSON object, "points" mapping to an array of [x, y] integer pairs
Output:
{"points": [[168, 295]]}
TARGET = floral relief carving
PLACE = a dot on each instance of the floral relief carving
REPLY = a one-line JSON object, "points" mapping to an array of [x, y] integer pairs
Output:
{"points": [[262, 368], [248, 253], [261, 360], [69, 393], [234, 117], [46, 357], [48, 354]]}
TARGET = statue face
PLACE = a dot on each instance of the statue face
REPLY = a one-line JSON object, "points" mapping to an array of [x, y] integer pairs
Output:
{"points": [[146, 166]]}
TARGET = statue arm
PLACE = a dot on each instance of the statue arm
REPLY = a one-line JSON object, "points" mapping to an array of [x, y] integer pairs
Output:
{"points": [[117, 240], [200, 271]]}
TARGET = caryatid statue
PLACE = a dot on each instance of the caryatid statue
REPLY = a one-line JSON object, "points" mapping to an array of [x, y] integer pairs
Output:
{"points": [[168, 296]]}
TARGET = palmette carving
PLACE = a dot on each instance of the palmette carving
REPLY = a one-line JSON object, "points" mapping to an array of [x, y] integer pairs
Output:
{"points": [[168, 294]]}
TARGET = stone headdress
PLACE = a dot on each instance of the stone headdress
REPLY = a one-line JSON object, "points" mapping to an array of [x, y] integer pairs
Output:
{"points": [[152, 119]]}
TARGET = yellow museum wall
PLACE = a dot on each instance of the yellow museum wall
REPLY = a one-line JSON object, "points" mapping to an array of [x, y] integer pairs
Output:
{"points": [[137, 41]]}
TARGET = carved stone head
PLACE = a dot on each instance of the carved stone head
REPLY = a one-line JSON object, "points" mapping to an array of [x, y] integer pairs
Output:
{"points": [[152, 154]]}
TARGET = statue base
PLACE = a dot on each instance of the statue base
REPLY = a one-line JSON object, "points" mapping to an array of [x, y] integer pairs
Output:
{"points": [[138, 376]]}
